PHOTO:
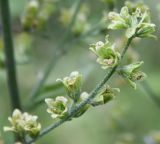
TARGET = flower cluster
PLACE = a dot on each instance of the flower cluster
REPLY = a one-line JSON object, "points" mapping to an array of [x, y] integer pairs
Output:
{"points": [[37, 13], [107, 56], [81, 24], [137, 23], [59, 107], [132, 73], [24, 123]]}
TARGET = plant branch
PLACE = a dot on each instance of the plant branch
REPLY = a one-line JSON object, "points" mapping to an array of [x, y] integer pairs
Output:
{"points": [[56, 55], [148, 90], [91, 96], [9, 54]]}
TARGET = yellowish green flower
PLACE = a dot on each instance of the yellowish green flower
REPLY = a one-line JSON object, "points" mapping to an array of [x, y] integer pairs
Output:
{"points": [[107, 56], [137, 23], [132, 73], [104, 96], [24, 123], [73, 84], [57, 107]]}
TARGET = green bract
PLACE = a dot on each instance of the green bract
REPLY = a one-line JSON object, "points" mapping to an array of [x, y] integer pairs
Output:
{"points": [[105, 95], [132, 73], [107, 56], [58, 107], [73, 85], [137, 23], [24, 123]]}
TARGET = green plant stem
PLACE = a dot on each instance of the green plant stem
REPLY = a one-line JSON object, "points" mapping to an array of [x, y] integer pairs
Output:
{"points": [[91, 96], [9, 54], [148, 91], [56, 55]]}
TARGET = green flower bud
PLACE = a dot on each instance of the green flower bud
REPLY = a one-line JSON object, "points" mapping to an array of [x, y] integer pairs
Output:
{"points": [[58, 107], [24, 123], [107, 56], [73, 85], [132, 73], [104, 96], [146, 30], [83, 97], [119, 21]]}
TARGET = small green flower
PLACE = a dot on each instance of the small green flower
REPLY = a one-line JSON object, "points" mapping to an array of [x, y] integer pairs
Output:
{"points": [[132, 73], [137, 23], [146, 30], [58, 107], [73, 85], [104, 96], [24, 123], [107, 56], [119, 21], [32, 127]]}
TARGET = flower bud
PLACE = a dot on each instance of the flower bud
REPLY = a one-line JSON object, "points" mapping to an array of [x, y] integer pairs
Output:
{"points": [[104, 96], [132, 73], [73, 85], [119, 21], [83, 97], [146, 30], [58, 107], [107, 56]]}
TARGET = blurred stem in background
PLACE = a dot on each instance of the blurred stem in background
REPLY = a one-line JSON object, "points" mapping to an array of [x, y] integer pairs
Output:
{"points": [[145, 87], [56, 55], [9, 54]]}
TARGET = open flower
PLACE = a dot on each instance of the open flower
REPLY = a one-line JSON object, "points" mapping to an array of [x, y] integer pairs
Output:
{"points": [[105, 95], [32, 127], [107, 56], [137, 23], [24, 123], [132, 73], [73, 85], [58, 107]]}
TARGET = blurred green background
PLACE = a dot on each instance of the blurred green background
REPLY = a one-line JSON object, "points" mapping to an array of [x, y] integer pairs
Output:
{"points": [[131, 118]]}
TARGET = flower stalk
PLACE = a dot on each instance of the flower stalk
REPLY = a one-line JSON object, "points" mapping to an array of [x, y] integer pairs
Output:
{"points": [[9, 55]]}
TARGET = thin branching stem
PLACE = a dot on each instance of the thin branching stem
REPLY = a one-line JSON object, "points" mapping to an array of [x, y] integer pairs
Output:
{"points": [[91, 96], [148, 90], [9, 54], [56, 55]]}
